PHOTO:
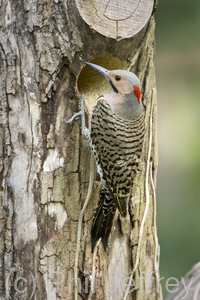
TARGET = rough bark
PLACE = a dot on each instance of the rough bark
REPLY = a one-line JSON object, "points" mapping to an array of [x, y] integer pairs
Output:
{"points": [[46, 164]]}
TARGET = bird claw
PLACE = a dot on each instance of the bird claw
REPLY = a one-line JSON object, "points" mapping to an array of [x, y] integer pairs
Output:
{"points": [[85, 131], [74, 117]]}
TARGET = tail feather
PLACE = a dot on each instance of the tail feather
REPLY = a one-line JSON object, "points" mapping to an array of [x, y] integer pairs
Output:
{"points": [[122, 204], [103, 219]]}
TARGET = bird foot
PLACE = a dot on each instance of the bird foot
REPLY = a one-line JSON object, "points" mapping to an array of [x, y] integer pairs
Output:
{"points": [[85, 131]]}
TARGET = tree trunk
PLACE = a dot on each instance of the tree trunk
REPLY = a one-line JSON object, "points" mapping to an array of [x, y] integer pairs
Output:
{"points": [[47, 168]]}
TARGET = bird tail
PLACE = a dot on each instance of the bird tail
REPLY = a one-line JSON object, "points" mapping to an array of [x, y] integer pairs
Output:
{"points": [[103, 219], [122, 204]]}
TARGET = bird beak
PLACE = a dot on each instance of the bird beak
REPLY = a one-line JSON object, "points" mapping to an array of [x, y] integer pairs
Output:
{"points": [[100, 69], [103, 72]]}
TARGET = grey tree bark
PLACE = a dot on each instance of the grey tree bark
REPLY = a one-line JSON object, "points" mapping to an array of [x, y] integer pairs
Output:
{"points": [[46, 165]]}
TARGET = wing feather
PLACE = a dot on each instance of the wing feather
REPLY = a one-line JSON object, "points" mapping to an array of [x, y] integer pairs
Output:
{"points": [[117, 144]]}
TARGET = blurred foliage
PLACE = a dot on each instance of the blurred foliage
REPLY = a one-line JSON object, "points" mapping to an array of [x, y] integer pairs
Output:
{"points": [[178, 187]]}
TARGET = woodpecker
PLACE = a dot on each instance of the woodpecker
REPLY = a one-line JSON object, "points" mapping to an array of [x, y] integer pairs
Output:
{"points": [[117, 134]]}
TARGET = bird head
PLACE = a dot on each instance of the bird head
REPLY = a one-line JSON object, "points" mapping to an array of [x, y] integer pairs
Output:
{"points": [[121, 81]]}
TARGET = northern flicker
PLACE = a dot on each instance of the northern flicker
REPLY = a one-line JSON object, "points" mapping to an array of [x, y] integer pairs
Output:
{"points": [[117, 134]]}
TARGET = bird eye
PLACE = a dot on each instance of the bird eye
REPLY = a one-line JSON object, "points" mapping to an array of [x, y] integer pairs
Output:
{"points": [[117, 77]]}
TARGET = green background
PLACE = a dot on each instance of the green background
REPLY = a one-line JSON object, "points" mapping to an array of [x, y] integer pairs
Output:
{"points": [[178, 187]]}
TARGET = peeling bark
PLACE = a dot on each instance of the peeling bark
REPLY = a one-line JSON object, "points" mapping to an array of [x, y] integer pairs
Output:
{"points": [[45, 163]]}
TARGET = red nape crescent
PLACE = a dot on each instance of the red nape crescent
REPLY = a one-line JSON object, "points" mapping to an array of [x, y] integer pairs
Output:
{"points": [[137, 92]]}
